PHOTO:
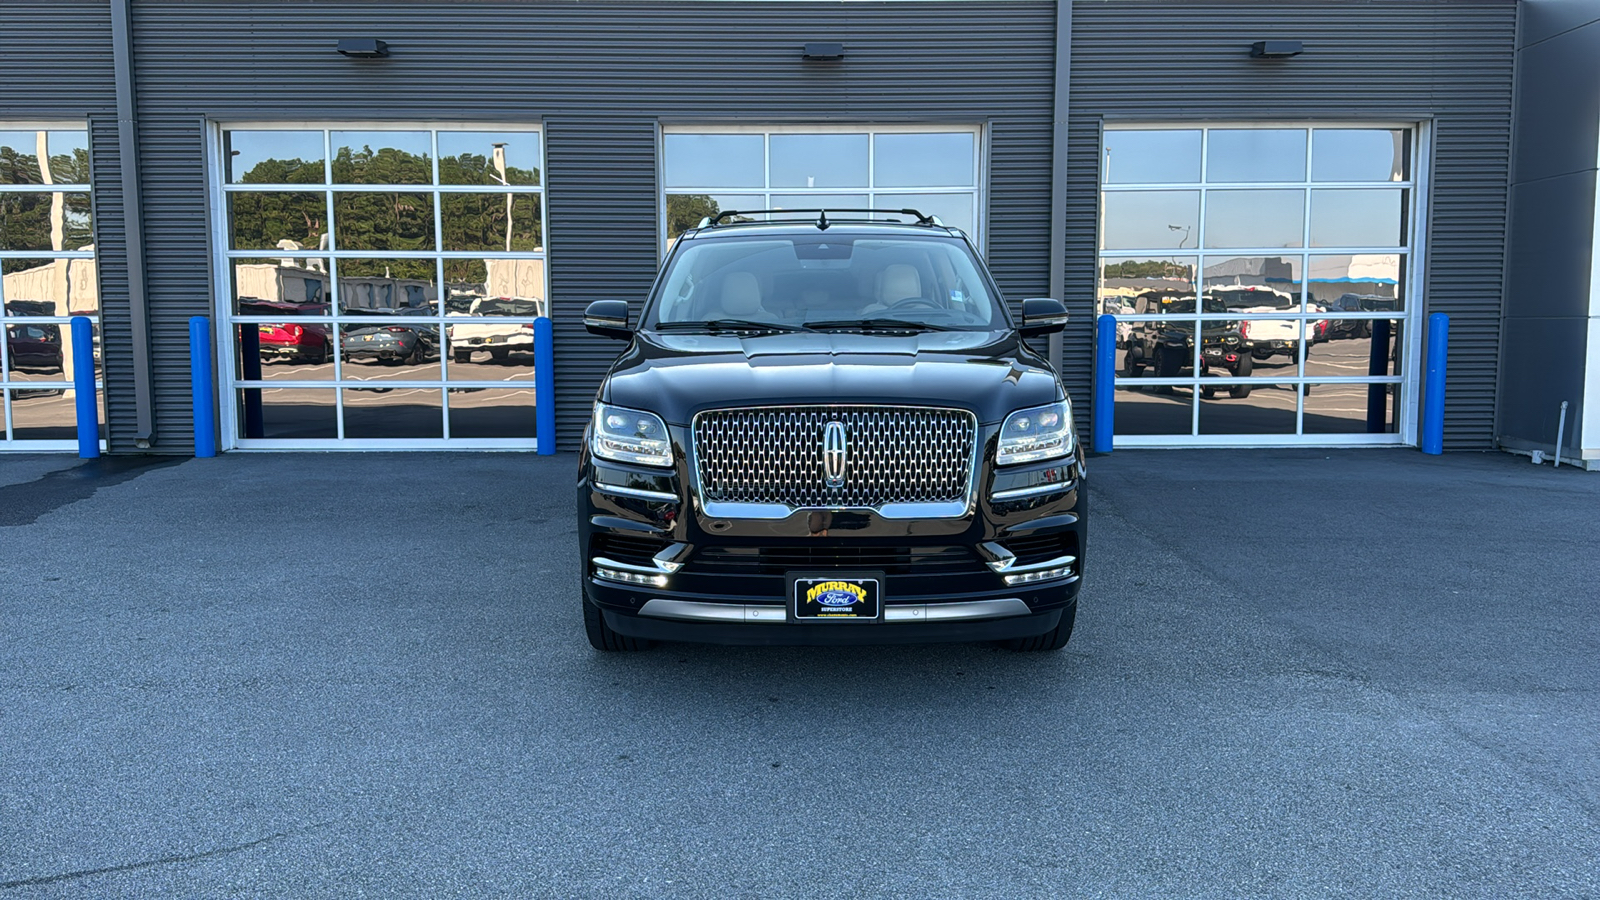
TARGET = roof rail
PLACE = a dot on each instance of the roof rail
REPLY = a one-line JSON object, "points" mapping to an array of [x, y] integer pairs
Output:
{"points": [[822, 216]]}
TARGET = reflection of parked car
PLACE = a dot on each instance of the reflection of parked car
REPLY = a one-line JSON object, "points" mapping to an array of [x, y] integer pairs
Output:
{"points": [[1358, 328], [1168, 347], [392, 343], [35, 347], [294, 341], [499, 338], [1268, 337]]}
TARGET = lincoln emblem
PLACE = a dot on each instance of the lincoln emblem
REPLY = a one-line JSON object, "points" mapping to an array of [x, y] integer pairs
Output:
{"points": [[833, 454]]}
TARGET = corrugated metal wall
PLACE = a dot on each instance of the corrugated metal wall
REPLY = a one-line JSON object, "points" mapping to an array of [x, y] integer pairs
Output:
{"points": [[1445, 60], [600, 75]]}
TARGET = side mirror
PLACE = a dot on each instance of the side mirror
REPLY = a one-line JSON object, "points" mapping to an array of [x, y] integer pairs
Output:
{"points": [[1042, 316], [608, 318]]}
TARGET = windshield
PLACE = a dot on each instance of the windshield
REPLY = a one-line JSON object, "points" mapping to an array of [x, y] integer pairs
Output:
{"points": [[1255, 298], [826, 281]]}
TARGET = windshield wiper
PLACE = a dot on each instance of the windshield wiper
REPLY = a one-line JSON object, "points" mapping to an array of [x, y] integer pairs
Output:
{"points": [[715, 325], [877, 324]]}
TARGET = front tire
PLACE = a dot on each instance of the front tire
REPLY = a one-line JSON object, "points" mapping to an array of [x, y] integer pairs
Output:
{"points": [[602, 638], [1051, 640]]}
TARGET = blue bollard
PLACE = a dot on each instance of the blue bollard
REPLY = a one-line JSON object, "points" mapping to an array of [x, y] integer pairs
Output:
{"points": [[83, 388], [1433, 384], [544, 385], [205, 400], [1105, 381]]}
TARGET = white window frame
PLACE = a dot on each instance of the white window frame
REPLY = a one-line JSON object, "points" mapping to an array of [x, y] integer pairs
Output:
{"points": [[224, 320], [1414, 253]]}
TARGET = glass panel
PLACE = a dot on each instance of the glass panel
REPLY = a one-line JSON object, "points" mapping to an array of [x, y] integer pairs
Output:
{"points": [[480, 413], [400, 413], [383, 350], [274, 157], [1368, 282], [952, 209], [489, 157], [819, 201], [924, 160], [1160, 348], [1141, 410], [1122, 281], [1256, 154], [281, 287], [495, 287], [1358, 348], [1351, 154], [715, 160], [51, 287], [1259, 283], [365, 221], [37, 351], [53, 220], [285, 413], [1151, 157], [1350, 409], [1255, 218], [285, 351], [489, 350], [268, 220], [684, 211], [404, 286], [819, 160], [44, 414], [381, 157], [1247, 409], [1372, 218], [1150, 219], [502, 222], [66, 155]]}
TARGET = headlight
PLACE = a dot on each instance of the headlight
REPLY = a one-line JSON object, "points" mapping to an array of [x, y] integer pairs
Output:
{"points": [[630, 436], [1030, 435]]}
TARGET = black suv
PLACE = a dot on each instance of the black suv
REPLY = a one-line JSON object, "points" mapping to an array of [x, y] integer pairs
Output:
{"points": [[829, 431]]}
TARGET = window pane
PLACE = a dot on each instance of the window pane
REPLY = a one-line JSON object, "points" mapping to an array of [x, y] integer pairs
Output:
{"points": [[1151, 157], [280, 287], [274, 157], [494, 287], [503, 222], [952, 209], [269, 220], [1124, 281], [1358, 348], [1266, 409], [285, 351], [386, 221], [1374, 218], [36, 351], [284, 413], [1363, 283], [819, 160], [715, 160], [400, 413], [1255, 218], [383, 350], [44, 414], [66, 156], [923, 160], [381, 157], [1150, 219], [819, 201], [684, 211], [1256, 154], [492, 413], [489, 350], [1350, 409], [52, 220], [1145, 410], [1360, 155], [51, 287], [1269, 283], [403, 286], [489, 157]]}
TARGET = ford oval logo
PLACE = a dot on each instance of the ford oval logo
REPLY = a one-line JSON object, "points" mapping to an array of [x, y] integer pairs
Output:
{"points": [[833, 454], [838, 598]]}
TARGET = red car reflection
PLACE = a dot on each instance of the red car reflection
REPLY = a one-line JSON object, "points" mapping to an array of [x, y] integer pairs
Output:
{"points": [[307, 342]]}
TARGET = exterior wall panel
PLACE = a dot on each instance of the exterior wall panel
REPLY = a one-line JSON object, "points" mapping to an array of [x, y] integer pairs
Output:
{"points": [[1445, 62]]}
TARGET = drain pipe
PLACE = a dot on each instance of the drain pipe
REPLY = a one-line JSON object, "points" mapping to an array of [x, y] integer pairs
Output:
{"points": [[133, 219], [1561, 432]]}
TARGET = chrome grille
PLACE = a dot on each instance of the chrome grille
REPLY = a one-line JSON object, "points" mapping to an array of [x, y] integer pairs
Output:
{"points": [[894, 455]]}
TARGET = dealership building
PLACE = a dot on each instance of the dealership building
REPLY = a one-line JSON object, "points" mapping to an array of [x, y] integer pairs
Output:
{"points": [[374, 202]]}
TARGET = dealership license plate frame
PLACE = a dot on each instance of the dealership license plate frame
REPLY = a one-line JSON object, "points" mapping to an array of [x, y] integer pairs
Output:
{"points": [[797, 610]]}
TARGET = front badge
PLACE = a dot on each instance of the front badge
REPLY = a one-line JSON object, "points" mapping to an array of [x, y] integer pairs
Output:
{"points": [[834, 454]]}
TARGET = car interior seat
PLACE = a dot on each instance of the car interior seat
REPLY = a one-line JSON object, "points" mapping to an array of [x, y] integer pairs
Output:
{"points": [[897, 282], [740, 297]]}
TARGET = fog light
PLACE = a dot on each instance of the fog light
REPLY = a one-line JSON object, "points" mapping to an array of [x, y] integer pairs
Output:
{"points": [[630, 577], [1040, 575]]}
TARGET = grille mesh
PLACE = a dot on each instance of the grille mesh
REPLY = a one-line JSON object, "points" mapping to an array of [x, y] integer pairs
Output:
{"points": [[894, 455]]}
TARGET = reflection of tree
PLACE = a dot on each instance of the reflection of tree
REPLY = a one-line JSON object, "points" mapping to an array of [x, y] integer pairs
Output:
{"points": [[383, 221], [25, 222], [284, 171], [261, 220], [23, 167], [684, 211], [470, 168], [386, 165], [478, 221], [1149, 268]]}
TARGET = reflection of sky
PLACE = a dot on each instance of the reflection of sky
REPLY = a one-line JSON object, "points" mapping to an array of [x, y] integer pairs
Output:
{"points": [[819, 160], [415, 143], [256, 147], [1254, 155], [923, 160], [522, 148], [715, 160]]}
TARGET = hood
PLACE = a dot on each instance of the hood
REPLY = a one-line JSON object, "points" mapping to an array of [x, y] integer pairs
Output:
{"points": [[678, 375]]}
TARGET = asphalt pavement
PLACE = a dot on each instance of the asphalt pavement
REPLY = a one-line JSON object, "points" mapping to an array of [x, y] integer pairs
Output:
{"points": [[1296, 674]]}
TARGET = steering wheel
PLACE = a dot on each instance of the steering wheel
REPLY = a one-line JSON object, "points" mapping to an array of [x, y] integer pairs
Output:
{"points": [[909, 302]]}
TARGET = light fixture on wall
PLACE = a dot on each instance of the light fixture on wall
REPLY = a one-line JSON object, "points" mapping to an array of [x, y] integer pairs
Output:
{"points": [[822, 50], [363, 48], [1276, 49]]}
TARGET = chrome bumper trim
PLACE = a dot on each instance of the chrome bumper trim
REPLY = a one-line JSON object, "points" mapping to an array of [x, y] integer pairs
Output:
{"points": [[960, 610], [718, 509], [696, 611], [1008, 565], [774, 614], [1032, 491], [640, 493]]}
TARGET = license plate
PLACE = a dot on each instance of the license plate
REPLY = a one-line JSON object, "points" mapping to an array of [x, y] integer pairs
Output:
{"points": [[366, 337], [836, 598], [493, 340]]}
